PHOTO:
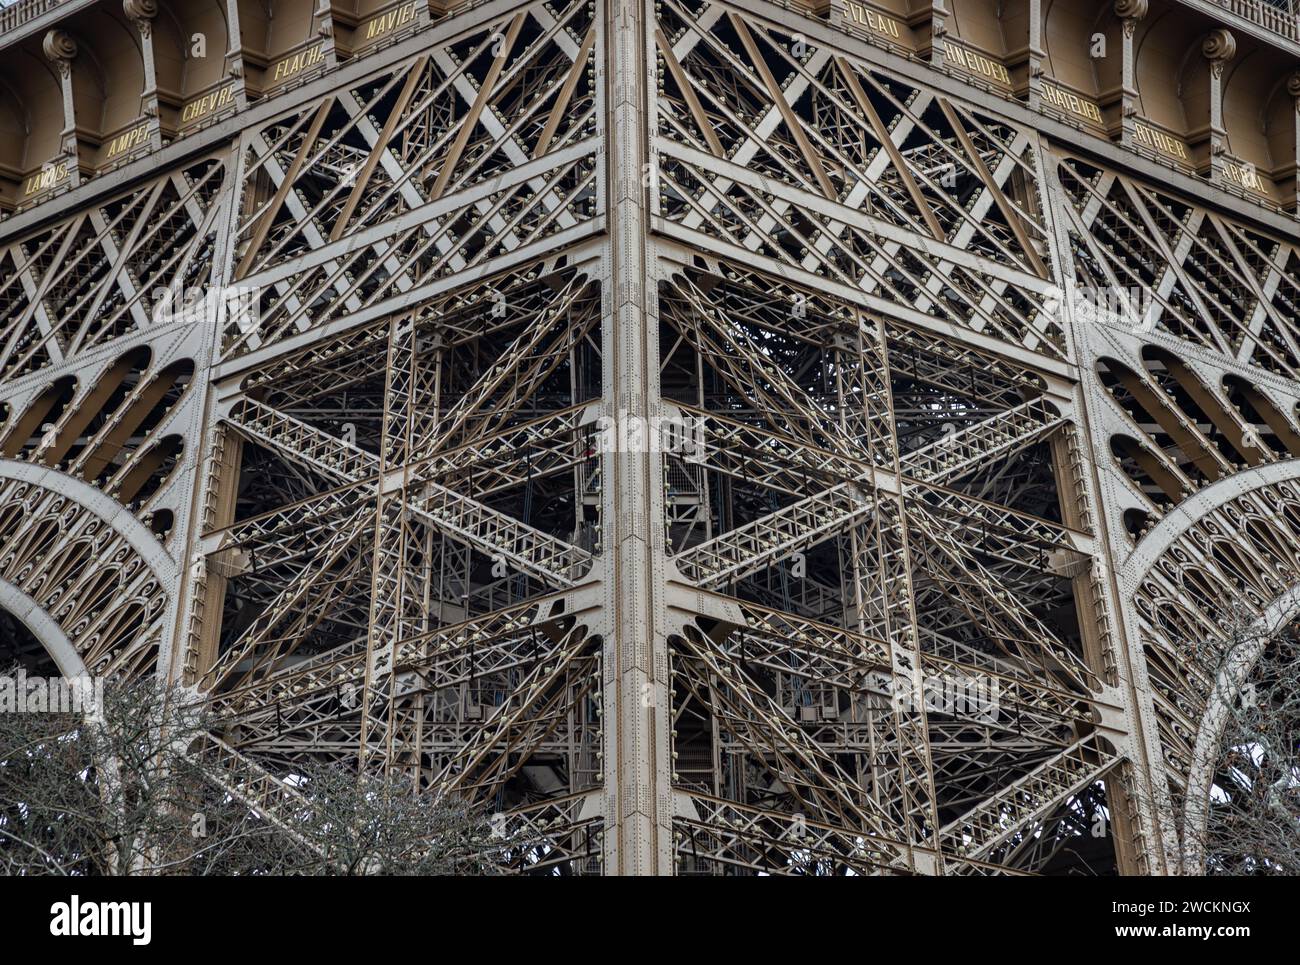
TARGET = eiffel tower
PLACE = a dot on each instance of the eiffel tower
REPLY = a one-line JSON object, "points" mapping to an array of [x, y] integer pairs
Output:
{"points": [[716, 437]]}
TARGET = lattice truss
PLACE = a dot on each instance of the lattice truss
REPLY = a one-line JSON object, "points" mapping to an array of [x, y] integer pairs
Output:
{"points": [[96, 368], [479, 148], [880, 516], [1194, 397], [802, 156], [423, 600], [98, 275], [878, 506], [365, 508], [1204, 278]]}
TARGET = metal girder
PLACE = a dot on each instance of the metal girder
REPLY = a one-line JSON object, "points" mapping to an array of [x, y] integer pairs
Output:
{"points": [[638, 422], [444, 509]]}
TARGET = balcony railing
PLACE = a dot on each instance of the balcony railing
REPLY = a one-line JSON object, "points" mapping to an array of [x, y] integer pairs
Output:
{"points": [[1280, 16], [16, 14]]}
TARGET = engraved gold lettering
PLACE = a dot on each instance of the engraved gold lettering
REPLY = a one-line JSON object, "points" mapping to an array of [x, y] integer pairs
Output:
{"points": [[298, 63], [386, 22], [207, 104], [1069, 101], [128, 141], [45, 179], [1244, 175], [1159, 141], [976, 63], [877, 22]]}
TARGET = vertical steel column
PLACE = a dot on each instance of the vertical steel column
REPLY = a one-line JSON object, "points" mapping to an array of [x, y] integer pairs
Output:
{"points": [[638, 840]]}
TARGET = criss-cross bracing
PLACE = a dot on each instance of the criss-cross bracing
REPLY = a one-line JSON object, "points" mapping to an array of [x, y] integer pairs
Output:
{"points": [[673, 427]]}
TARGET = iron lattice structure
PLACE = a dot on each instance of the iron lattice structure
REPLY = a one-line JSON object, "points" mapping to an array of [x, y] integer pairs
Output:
{"points": [[365, 501]]}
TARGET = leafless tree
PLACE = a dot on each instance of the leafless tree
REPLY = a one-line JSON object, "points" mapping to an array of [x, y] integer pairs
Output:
{"points": [[117, 792], [1243, 816], [373, 823], [114, 793]]}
